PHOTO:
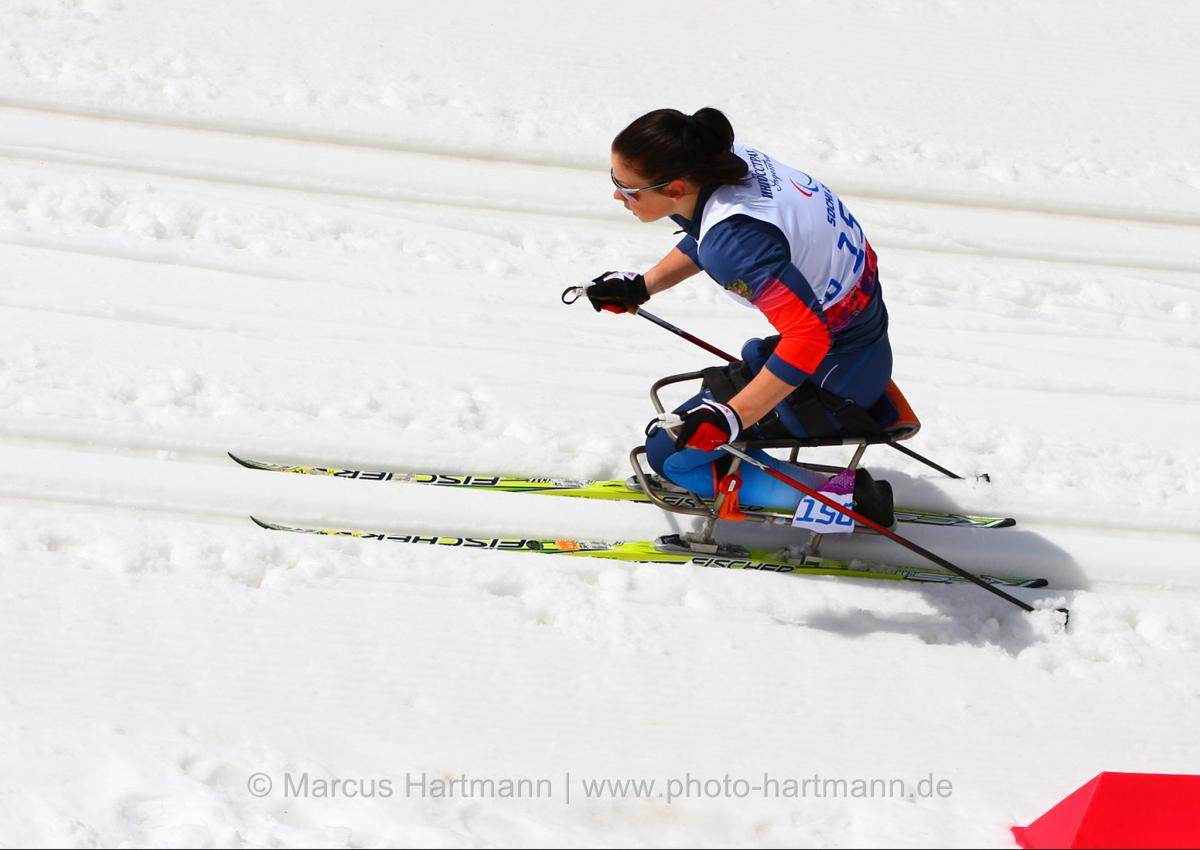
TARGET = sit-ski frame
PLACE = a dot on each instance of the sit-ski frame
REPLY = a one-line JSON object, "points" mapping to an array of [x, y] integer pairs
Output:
{"points": [[703, 540]]}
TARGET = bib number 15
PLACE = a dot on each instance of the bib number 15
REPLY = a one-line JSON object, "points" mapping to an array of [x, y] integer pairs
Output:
{"points": [[846, 243]]}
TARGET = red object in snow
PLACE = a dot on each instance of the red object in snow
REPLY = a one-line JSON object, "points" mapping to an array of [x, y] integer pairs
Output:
{"points": [[1135, 810]]}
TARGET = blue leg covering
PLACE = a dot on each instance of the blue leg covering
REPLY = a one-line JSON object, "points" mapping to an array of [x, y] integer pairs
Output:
{"points": [[693, 469]]}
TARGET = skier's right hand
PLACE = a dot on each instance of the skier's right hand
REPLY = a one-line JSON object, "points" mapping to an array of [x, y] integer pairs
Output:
{"points": [[617, 292], [708, 426]]}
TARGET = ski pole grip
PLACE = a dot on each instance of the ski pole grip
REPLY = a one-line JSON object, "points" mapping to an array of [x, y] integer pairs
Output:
{"points": [[669, 422], [573, 293]]}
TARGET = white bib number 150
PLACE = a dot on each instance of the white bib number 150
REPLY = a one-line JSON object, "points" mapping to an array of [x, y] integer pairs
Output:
{"points": [[814, 515]]}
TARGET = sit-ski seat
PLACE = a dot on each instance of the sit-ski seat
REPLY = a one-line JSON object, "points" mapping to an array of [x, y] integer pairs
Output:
{"points": [[889, 420]]}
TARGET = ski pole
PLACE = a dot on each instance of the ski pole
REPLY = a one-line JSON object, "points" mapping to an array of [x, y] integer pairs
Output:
{"points": [[573, 293], [695, 340], [671, 421]]}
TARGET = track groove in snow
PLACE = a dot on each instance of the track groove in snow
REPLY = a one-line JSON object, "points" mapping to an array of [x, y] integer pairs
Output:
{"points": [[182, 456], [470, 184], [105, 122]]}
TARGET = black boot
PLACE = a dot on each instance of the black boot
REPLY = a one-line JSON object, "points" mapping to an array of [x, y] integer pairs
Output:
{"points": [[873, 499]]}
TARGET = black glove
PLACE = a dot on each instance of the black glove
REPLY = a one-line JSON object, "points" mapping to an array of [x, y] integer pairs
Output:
{"points": [[616, 292], [708, 426]]}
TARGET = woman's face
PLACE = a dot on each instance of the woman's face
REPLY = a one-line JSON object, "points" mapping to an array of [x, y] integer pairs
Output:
{"points": [[650, 205]]}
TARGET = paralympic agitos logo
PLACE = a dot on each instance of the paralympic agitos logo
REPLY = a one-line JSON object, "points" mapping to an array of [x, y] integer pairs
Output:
{"points": [[809, 188]]}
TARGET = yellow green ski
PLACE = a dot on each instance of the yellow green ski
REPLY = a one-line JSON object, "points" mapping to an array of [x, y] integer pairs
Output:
{"points": [[665, 550], [611, 490]]}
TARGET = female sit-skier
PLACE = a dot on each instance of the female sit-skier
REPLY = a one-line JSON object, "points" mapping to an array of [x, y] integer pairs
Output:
{"points": [[780, 241]]}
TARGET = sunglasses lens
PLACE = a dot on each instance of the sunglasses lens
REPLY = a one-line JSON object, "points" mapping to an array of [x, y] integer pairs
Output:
{"points": [[631, 195], [625, 193]]}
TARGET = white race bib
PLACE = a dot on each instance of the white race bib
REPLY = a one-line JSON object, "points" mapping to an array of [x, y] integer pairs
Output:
{"points": [[816, 516]]}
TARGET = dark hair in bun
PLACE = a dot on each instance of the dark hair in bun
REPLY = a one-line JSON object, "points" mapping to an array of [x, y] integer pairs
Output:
{"points": [[667, 144]]}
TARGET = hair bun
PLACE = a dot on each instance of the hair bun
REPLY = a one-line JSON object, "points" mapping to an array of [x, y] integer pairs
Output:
{"points": [[718, 132]]}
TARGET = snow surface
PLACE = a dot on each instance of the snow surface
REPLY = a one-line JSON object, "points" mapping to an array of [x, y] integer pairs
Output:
{"points": [[337, 232]]}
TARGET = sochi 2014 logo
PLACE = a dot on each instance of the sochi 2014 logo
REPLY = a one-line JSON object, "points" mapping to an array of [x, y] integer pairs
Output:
{"points": [[809, 188]]}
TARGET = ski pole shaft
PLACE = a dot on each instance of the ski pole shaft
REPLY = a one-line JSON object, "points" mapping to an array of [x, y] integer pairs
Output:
{"points": [[573, 293], [857, 517], [906, 450], [695, 340]]}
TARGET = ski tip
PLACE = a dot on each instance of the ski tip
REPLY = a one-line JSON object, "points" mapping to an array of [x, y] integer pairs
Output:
{"points": [[262, 524], [1006, 522], [1066, 615], [240, 461], [1037, 582]]}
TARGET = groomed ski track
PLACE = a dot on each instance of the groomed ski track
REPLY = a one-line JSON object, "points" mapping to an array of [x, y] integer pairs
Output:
{"points": [[177, 288]]}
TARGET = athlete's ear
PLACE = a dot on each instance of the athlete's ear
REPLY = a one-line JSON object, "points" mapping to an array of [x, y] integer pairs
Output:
{"points": [[676, 189]]}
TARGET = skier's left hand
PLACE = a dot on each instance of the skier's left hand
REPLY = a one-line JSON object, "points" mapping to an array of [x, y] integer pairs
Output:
{"points": [[708, 426]]}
